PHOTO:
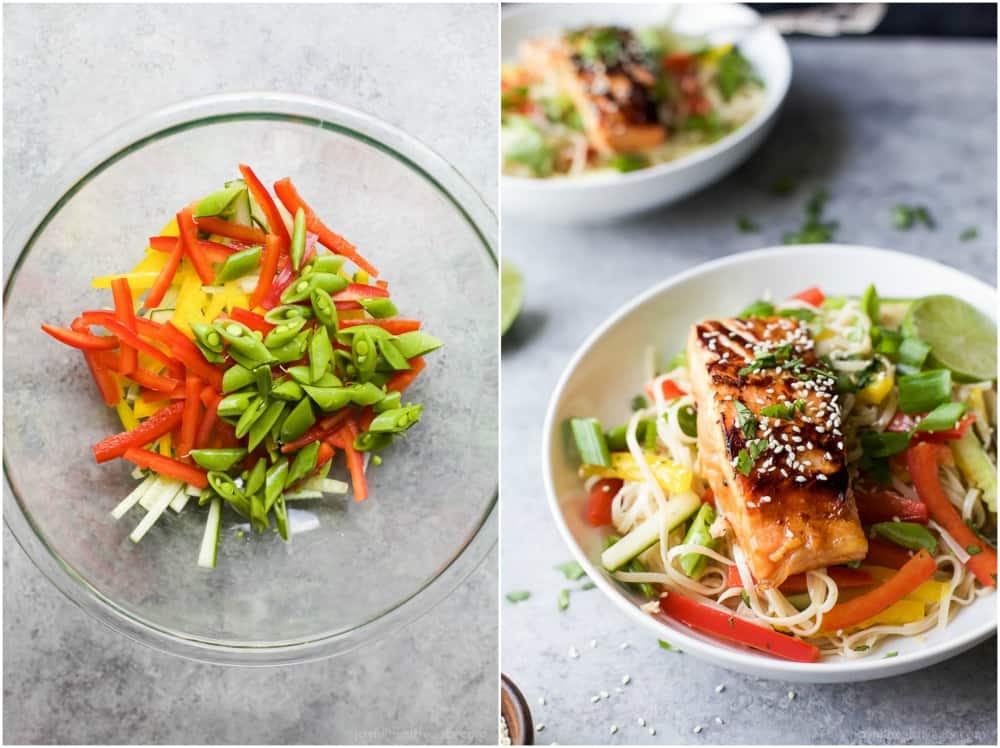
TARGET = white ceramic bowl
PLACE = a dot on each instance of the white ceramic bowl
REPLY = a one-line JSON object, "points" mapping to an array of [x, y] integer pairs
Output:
{"points": [[609, 368], [600, 197]]}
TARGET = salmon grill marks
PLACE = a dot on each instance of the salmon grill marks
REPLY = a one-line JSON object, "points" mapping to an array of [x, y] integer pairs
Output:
{"points": [[606, 73], [770, 445]]}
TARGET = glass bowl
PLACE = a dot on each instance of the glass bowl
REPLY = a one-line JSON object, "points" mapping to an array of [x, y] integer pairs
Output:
{"points": [[353, 571]]}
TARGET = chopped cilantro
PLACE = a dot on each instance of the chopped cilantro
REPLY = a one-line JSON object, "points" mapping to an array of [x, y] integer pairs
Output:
{"points": [[815, 230], [626, 162], [972, 550], [743, 462], [746, 226], [904, 217], [856, 564], [784, 411], [518, 596], [804, 315], [969, 234], [588, 585], [669, 647], [756, 448], [862, 648], [734, 72], [746, 421], [889, 654], [758, 308]]}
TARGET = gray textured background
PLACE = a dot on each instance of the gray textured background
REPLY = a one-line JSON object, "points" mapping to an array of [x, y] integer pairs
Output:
{"points": [[71, 74], [878, 122]]}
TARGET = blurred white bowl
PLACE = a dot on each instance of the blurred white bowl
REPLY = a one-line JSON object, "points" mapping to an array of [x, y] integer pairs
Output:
{"points": [[610, 367], [600, 197]]}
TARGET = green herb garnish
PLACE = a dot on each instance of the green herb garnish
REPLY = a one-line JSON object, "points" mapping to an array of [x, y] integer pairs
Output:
{"points": [[518, 596], [571, 570], [563, 601], [746, 226], [815, 230], [968, 234], [746, 421]]}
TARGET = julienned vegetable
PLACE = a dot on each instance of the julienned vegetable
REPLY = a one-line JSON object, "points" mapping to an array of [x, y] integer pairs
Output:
{"points": [[253, 358]]}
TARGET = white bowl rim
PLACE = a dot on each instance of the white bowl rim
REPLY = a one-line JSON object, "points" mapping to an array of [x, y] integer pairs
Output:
{"points": [[759, 120], [748, 661]]}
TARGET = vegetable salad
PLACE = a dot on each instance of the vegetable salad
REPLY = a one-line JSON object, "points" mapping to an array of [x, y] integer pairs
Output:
{"points": [[241, 356]]}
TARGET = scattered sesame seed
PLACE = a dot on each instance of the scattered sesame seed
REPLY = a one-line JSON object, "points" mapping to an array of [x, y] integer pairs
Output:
{"points": [[605, 694], [541, 700], [720, 688], [718, 721], [652, 730], [540, 727], [573, 654], [614, 729], [625, 680], [624, 645], [594, 699], [791, 695], [698, 729], [593, 643], [641, 721]]}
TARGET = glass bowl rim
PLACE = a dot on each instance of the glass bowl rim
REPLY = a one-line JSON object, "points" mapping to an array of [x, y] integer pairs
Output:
{"points": [[132, 136]]}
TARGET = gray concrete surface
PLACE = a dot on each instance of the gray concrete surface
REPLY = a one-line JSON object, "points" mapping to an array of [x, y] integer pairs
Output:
{"points": [[71, 74], [877, 122]]}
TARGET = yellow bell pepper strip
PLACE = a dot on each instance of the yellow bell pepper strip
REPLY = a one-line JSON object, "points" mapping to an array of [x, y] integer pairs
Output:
{"points": [[899, 613], [672, 476], [126, 416], [137, 281], [929, 592]]}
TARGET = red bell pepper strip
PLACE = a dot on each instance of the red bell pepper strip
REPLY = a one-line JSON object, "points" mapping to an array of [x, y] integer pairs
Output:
{"points": [[130, 338], [268, 267], [320, 430], [844, 576], [146, 378], [921, 460], [207, 426], [251, 320], [190, 416], [882, 505], [668, 387], [678, 62], [599, 502], [212, 251], [155, 296], [711, 620], [333, 241], [366, 418], [187, 352], [914, 573], [812, 296], [262, 197], [323, 457], [399, 381], [125, 312], [395, 325], [167, 466], [104, 380], [883, 553], [82, 340], [149, 430], [355, 291], [157, 396], [355, 462], [220, 227], [189, 239], [283, 281]]}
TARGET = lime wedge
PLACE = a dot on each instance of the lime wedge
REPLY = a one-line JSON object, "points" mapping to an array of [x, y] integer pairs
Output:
{"points": [[511, 295], [961, 337]]}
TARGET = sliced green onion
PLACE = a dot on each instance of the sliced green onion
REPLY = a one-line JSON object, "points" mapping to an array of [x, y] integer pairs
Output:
{"points": [[870, 303], [758, 308], [943, 417], [687, 419], [919, 393], [563, 601], [906, 534], [590, 441]]}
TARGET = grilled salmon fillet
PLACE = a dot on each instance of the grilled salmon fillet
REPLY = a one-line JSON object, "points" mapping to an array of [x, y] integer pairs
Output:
{"points": [[613, 96], [780, 479]]}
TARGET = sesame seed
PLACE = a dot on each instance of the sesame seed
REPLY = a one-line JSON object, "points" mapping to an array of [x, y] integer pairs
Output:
{"points": [[800, 479], [614, 729], [540, 727], [605, 694], [652, 730], [625, 680], [791, 695], [718, 721], [624, 645], [820, 476], [594, 699], [618, 689], [698, 729], [641, 721], [573, 654], [720, 688], [541, 700], [593, 643]]}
